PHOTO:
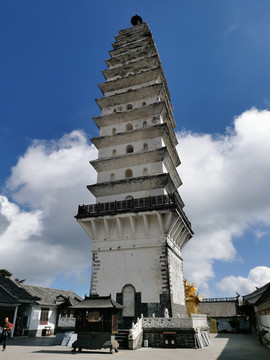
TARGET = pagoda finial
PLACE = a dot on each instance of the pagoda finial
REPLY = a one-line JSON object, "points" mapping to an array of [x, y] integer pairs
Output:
{"points": [[136, 20]]}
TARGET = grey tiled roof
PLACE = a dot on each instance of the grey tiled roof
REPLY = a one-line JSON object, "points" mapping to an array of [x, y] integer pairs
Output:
{"points": [[256, 295], [98, 302], [16, 289], [6, 298], [48, 296], [12, 290]]}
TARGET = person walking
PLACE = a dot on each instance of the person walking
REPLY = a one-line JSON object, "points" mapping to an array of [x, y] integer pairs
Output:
{"points": [[6, 327]]}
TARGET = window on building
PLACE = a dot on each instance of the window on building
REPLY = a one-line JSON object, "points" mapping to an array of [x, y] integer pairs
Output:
{"points": [[112, 177], [129, 106], [145, 147], [144, 124], [129, 197], [114, 152], [145, 171], [128, 173], [94, 316], [129, 149], [44, 316], [144, 103], [128, 301], [129, 127], [115, 324]]}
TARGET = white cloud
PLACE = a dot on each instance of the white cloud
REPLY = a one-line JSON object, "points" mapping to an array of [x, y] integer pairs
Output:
{"points": [[20, 226], [40, 235], [257, 277], [226, 189]]}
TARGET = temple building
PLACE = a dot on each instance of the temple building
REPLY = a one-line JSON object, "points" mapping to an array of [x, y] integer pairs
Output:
{"points": [[137, 225]]}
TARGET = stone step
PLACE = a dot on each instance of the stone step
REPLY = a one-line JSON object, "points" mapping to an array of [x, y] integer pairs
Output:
{"points": [[122, 338]]}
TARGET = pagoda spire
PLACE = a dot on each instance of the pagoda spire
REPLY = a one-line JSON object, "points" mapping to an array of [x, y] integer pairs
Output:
{"points": [[136, 20]]}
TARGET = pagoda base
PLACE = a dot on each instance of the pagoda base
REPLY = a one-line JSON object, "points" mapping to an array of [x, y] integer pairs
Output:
{"points": [[175, 332], [147, 309], [170, 338]]}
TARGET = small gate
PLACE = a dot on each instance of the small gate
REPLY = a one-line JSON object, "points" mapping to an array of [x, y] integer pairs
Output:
{"points": [[169, 339]]}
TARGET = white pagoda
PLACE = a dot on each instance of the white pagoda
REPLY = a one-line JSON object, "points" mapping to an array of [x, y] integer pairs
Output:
{"points": [[137, 225]]}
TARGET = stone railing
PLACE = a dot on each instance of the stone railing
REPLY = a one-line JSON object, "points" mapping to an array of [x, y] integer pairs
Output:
{"points": [[135, 336], [180, 322], [199, 321], [220, 299], [136, 329], [150, 202], [141, 204], [66, 322]]}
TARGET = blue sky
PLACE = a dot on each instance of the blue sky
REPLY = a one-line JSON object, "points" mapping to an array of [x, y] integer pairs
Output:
{"points": [[216, 57]]}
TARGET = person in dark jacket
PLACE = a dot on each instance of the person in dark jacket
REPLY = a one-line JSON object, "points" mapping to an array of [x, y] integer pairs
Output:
{"points": [[6, 327]]}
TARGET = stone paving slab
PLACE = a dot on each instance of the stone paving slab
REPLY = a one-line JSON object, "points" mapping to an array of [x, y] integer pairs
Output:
{"points": [[223, 347]]}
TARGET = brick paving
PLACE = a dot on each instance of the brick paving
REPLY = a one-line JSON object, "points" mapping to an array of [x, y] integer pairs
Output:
{"points": [[223, 347]]}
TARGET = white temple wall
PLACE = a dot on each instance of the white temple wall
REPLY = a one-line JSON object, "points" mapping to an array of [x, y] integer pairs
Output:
{"points": [[139, 267], [176, 278], [35, 327]]}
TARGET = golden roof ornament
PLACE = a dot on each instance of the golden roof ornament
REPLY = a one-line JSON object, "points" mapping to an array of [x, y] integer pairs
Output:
{"points": [[192, 299]]}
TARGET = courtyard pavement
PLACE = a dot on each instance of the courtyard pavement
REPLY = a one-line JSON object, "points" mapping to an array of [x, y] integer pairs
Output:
{"points": [[223, 347]]}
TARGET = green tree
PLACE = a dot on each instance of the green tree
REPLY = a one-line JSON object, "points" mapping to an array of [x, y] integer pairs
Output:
{"points": [[4, 272]]}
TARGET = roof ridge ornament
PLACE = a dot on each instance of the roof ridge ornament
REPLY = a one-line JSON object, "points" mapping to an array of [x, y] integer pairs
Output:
{"points": [[136, 20]]}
